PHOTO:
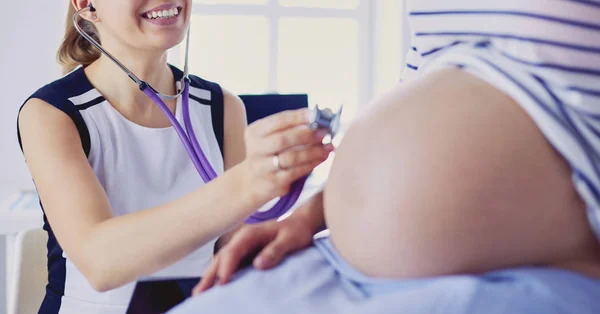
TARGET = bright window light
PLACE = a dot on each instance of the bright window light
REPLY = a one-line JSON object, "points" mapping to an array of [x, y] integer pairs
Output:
{"points": [[232, 51], [232, 1], [320, 56], [339, 52], [327, 4]]}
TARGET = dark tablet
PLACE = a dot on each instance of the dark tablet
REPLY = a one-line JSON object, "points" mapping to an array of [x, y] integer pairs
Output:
{"points": [[159, 296]]}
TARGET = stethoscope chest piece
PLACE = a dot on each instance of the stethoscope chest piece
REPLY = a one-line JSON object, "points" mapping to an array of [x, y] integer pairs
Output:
{"points": [[325, 119]]}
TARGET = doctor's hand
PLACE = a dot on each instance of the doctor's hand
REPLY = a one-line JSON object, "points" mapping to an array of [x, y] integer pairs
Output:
{"points": [[280, 149], [272, 241]]}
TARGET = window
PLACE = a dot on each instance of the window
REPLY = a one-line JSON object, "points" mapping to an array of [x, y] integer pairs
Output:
{"points": [[339, 52]]}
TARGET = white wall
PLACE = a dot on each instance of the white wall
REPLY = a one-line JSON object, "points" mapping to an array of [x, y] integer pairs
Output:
{"points": [[29, 36]]}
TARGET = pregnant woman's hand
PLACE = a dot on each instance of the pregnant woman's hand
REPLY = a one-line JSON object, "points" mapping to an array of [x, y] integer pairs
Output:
{"points": [[264, 245]]}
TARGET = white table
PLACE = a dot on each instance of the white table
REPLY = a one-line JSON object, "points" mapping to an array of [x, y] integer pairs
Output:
{"points": [[19, 212]]}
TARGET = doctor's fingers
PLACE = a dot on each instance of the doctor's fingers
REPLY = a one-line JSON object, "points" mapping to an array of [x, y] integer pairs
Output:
{"points": [[278, 122], [306, 155], [277, 142], [284, 178], [290, 162]]}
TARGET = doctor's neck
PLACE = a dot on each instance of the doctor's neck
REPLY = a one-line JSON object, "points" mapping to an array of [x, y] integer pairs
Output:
{"points": [[114, 84]]}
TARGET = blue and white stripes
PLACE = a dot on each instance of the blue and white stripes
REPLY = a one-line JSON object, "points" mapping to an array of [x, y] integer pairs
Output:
{"points": [[543, 53]]}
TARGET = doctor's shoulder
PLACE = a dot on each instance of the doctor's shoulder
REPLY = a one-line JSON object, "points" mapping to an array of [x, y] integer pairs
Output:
{"points": [[49, 114], [213, 93], [226, 107]]}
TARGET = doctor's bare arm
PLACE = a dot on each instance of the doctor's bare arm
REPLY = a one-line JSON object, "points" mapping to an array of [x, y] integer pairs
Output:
{"points": [[234, 148], [112, 251]]}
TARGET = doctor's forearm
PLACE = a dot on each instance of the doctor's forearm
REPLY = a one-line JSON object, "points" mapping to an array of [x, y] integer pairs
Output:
{"points": [[123, 248]]}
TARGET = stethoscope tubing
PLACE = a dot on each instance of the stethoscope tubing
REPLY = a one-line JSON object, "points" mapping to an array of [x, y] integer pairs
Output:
{"points": [[188, 136]]}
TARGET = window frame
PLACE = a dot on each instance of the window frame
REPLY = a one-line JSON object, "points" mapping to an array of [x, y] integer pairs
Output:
{"points": [[273, 11]]}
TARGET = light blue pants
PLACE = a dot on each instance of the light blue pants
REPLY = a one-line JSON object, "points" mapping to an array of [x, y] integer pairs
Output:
{"points": [[318, 280]]}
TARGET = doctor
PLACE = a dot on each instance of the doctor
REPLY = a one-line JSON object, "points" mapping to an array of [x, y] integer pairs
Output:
{"points": [[121, 198]]}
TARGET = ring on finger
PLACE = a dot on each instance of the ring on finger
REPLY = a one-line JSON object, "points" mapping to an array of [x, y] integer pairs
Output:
{"points": [[277, 163]]}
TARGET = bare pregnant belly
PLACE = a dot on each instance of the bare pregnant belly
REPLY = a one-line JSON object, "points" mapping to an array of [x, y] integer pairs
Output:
{"points": [[449, 175]]}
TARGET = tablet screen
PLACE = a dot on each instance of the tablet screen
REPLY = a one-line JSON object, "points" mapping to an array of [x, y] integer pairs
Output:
{"points": [[159, 296]]}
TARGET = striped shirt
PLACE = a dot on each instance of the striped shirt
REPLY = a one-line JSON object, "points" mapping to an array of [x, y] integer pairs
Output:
{"points": [[545, 54]]}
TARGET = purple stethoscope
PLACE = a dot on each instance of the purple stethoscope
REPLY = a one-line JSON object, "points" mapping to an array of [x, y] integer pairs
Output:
{"points": [[320, 119]]}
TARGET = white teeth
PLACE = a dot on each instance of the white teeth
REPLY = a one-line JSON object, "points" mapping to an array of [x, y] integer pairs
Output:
{"points": [[163, 14]]}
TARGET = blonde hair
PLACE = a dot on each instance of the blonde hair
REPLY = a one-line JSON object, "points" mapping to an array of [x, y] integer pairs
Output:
{"points": [[74, 49]]}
